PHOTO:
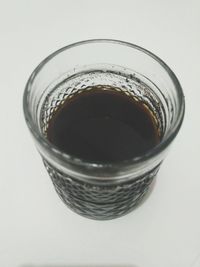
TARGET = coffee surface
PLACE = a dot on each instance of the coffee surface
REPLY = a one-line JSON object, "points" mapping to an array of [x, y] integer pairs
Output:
{"points": [[103, 126]]}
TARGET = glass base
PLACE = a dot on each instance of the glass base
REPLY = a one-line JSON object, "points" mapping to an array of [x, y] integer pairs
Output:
{"points": [[101, 202]]}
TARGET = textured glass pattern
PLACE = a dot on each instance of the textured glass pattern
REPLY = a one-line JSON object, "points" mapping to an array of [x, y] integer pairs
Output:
{"points": [[100, 201]]}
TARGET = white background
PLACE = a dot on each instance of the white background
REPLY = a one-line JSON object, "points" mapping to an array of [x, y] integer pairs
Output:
{"points": [[36, 229]]}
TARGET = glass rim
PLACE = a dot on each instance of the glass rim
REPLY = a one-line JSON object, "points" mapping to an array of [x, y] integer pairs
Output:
{"points": [[64, 157]]}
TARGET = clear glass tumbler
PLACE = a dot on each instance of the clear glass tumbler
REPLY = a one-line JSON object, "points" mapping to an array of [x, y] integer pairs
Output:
{"points": [[107, 190]]}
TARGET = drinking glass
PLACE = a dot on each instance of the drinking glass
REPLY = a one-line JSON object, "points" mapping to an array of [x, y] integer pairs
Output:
{"points": [[103, 190]]}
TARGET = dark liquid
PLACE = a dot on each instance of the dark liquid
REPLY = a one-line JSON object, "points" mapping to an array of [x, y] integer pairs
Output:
{"points": [[103, 126]]}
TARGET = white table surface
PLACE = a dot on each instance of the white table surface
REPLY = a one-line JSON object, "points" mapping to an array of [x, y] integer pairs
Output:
{"points": [[36, 229]]}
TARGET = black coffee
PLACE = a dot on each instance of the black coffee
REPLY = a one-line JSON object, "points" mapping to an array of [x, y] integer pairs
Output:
{"points": [[103, 126]]}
